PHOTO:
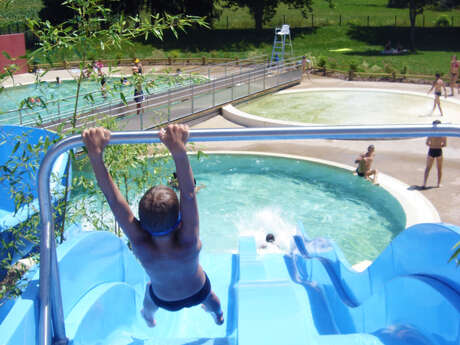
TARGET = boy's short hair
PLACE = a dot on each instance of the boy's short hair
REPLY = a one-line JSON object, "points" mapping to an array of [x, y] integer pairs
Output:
{"points": [[158, 209]]}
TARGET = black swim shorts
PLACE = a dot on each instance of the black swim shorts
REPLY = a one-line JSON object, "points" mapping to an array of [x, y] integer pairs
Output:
{"points": [[435, 153], [359, 173], [438, 93], [188, 302], [138, 96]]}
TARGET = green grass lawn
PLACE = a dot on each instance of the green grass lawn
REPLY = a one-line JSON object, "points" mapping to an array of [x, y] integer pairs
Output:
{"points": [[363, 43], [351, 11]]}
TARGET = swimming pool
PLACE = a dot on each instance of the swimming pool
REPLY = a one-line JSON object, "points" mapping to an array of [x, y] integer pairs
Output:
{"points": [[55, 100], [254, 195], [351, 106]]}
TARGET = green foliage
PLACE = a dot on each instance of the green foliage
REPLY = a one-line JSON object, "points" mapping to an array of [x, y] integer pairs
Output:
{"points": [[456, 255], [133, 168], [93, 29], [322, 62], [442, 21], [263, 11], [22, 166]]}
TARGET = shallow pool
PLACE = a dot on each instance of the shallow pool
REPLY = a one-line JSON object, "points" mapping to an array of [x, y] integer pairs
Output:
{"points": [[55, 100], [246, 194], [351, 107]]}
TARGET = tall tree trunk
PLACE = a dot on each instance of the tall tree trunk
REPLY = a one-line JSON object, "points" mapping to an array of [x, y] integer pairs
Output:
{"points": [[258, 14], [412, 16]]}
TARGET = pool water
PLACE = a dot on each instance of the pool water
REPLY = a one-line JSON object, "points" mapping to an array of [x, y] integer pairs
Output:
{"points": [[255, 195], [59, 98], [349, 107]]}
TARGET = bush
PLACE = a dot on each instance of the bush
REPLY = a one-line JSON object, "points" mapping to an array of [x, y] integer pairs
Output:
{"points": [[375, 69], [352, 68], [322, 62], [442, 21]]}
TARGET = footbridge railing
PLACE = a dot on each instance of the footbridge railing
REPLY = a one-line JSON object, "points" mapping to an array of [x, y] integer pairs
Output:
{"points": [[51, 321]]}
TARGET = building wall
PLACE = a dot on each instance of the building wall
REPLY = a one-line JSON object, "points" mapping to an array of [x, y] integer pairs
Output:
{"points": [[15, 46]]}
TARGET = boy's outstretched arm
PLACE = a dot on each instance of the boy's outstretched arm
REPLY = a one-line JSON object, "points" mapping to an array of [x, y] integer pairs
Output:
{"points": [[175, 137], [95, 140]]}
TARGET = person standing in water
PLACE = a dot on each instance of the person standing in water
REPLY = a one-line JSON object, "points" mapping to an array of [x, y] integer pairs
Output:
{"points": [[438, 85]]}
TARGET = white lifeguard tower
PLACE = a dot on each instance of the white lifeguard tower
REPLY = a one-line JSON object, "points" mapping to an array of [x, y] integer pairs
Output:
{"points": [[281, 40]]}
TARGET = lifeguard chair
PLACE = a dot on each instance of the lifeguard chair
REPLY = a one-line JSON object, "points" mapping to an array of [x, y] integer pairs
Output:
{"points": [[281, 40]]}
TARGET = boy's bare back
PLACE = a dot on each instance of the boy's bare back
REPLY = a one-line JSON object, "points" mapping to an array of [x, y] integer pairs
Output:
{"points": [[165, 238]]}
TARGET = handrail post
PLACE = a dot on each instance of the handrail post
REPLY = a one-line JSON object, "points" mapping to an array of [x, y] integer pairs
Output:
{"points": [[214, 93], [233, 84], [191, 100], [169, 104]]}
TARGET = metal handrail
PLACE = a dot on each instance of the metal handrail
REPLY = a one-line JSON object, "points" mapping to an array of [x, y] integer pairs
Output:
{"points": [[50, 294], [159, 90]]}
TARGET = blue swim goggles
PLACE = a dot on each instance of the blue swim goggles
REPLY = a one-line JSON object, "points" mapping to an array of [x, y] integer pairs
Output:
{"points": [[164, 232]]}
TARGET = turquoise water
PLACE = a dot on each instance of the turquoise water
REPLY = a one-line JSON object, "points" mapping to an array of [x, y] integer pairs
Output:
{"points": [[54, 96], [254, 195]]}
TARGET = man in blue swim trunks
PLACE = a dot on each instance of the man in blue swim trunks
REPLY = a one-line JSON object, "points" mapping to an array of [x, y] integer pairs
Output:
{"points": [[165, 238]]}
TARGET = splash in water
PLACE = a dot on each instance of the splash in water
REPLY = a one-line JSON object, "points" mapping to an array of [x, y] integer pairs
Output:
{"points": [[268, 221]]}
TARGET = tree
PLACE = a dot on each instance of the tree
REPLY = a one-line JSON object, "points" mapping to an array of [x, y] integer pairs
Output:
{"points": [[92, 28], [264, 10], [201, 8], [416, 7]]}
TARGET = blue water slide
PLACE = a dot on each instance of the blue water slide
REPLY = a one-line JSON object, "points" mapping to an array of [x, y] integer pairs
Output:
{"points": [[409, 295], [267, 299], [17, 145], [103, 287]]}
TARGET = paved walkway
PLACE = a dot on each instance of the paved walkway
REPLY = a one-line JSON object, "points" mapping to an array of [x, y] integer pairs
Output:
{"points": [[402, 159]]}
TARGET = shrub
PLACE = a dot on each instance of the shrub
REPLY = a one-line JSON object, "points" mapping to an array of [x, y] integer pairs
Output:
{"points": [[442, 21], [375, 69], [352, 68]]}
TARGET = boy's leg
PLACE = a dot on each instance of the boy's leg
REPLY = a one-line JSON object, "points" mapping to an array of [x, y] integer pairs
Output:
{"points": [[439, 166], [148, 312], [429, 164], [212, 305]]}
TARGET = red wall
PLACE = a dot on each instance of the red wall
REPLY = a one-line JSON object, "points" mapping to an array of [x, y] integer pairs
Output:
{"points": [[15, 46]]}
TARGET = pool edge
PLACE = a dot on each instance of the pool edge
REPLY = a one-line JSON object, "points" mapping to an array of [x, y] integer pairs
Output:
{"points": [[417, 208]]}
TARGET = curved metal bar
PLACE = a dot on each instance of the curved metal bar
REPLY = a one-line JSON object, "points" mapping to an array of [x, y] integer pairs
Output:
{"points": [[49, 280]]}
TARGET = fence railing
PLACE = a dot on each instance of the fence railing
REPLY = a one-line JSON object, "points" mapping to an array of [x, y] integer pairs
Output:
{"points": [[314, 20], [230, 83], [51, 315], [62, 108]]}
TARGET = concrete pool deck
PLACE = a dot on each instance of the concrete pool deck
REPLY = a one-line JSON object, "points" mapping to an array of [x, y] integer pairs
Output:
{"points": [[400, 159]]}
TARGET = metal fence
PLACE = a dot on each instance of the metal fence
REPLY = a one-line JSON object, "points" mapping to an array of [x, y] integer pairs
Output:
{"points": [[313, 20], [224, 83]]}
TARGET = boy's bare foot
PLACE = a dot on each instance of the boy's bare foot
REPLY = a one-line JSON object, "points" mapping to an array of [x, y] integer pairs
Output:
{"points": [[218, 319], [148, 318]]}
